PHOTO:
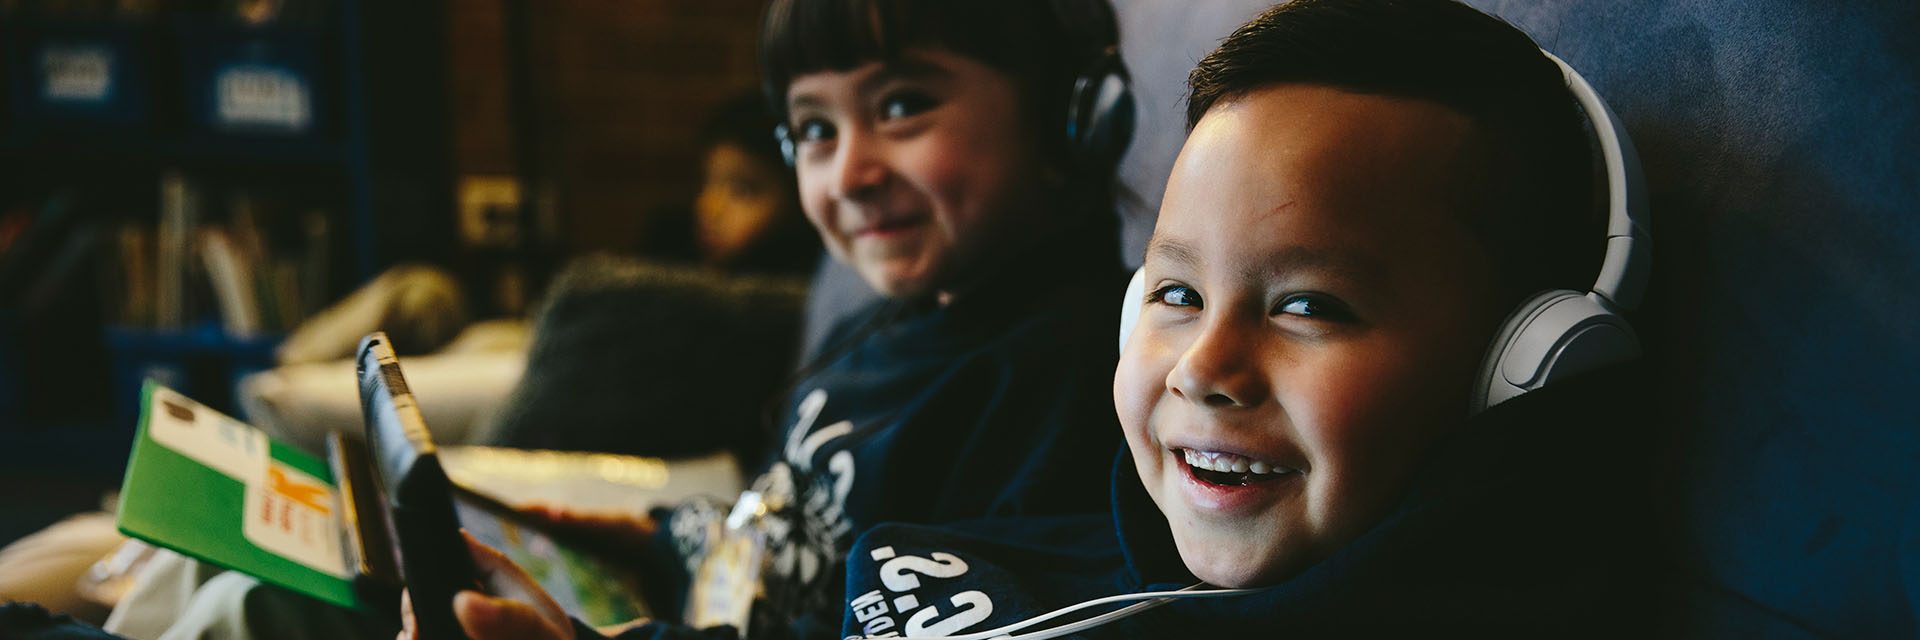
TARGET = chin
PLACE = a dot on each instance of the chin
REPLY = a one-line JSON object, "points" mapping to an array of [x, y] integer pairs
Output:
{"points": [[1229, 572], [1231, 564], [897, 280]]}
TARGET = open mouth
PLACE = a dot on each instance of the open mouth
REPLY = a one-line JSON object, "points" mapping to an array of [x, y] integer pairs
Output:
{"points": [[1230, 470], [891, 226]]}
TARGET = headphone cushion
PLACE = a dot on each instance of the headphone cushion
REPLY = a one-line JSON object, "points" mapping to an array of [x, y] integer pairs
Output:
{"points": [[1102, 118], [1130, 306], [1553, 335]]}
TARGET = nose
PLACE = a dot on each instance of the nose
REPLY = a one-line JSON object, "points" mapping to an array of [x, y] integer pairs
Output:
{"points": [[1220, 368], [858, 170]]}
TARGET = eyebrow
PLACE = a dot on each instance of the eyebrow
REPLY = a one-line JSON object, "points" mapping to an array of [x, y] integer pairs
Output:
{"points": [[1172, 250], [1286, 260], [906, 68], [805, 101]]}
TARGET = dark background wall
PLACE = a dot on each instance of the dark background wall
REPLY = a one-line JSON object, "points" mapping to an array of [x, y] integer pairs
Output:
{"points": [[1778, 140], [620, 90]]}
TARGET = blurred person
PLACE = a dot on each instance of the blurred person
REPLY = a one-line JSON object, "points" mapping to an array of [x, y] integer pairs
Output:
{"points": [[746, 218]]}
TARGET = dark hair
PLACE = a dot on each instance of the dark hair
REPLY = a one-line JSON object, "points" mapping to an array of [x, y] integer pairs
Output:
{"points": [[1042, 44], [744, 122], [1537, 215]]}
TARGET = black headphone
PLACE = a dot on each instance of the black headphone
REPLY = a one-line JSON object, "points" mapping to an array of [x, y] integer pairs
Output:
{"points": [[1100, 114]]}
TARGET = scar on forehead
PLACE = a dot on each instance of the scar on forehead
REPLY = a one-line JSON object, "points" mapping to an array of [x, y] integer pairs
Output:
{"points": [[1277, 209]]}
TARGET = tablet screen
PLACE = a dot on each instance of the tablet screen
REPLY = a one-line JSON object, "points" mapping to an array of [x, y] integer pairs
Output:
{"points": [[592, 590]]}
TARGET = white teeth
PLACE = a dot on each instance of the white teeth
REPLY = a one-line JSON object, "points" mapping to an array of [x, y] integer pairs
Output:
{"points": [[1229, 463]]}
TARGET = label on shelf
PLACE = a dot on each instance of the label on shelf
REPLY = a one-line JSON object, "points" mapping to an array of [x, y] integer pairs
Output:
{"points": [[257, 96], [77, 73]]}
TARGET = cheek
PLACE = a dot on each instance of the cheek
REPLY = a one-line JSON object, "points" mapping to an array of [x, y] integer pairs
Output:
{"points": [[972, 178], [1366, 445], [1137, 386], [819, 209]]}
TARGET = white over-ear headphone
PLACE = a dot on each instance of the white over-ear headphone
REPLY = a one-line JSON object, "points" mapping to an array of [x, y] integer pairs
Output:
{"points": [[1555, 334]]}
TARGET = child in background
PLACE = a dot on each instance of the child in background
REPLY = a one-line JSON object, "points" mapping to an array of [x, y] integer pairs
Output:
{"points": [[746, 218], [1368, 189]]}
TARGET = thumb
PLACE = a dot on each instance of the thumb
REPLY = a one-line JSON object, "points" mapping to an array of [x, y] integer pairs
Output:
{"points": [[486, 618]]}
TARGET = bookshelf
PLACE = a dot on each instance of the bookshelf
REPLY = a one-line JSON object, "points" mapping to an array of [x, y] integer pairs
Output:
{"points": [[309, 135]]}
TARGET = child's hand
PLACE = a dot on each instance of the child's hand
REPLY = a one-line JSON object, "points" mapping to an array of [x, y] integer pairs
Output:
{"points": [[521, 610], [618, 533]]}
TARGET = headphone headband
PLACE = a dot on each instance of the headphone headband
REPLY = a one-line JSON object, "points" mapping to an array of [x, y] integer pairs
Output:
{"points": [[1623, 274]]}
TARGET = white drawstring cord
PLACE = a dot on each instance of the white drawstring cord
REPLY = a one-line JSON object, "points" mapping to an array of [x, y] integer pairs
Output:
{"points": [[1152, 599]]}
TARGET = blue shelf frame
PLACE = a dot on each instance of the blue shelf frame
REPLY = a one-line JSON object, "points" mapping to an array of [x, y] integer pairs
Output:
{"points": [[382, 145]]}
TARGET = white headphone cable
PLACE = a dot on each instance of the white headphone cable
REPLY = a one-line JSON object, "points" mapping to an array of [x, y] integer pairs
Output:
{"points": [[1151, 599]]}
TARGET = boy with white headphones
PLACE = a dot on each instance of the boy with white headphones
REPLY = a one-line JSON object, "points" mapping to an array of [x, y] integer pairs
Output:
{"points": [[1354, 388]]}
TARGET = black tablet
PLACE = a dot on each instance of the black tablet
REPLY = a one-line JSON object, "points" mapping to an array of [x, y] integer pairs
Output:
{"points": [[434, 560], [427, 511]]}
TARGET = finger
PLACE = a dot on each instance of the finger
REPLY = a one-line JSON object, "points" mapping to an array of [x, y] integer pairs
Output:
{"points": [[601, 521], [504, 578], [496, 569], [617, 629], [406, 616], [486, 618]]}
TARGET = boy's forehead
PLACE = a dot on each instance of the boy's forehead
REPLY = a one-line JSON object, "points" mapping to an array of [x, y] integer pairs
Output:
{"points": [[1264, 255], [1313, 166]]}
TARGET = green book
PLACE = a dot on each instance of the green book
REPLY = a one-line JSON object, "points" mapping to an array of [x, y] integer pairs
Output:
{"points": [[214, 488], [217, 489]]}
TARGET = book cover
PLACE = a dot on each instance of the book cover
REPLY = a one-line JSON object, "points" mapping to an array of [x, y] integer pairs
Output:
{"points": [[214, 488]]}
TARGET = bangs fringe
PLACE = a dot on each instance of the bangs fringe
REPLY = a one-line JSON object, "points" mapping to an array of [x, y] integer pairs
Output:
{"points": [[801, 37], [1020, 37]]}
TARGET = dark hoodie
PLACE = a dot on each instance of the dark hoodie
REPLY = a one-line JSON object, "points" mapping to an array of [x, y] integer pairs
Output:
{"points": [[996, 405], [1530, 520]]}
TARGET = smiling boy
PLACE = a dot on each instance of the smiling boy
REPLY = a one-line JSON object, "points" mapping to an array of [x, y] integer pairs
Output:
{"points": [[1369, 187], [1270, 356]]}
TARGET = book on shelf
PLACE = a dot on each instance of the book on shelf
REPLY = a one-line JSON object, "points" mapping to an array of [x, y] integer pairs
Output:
{"points": [[254, 272], [231, 273], [179, 215]]}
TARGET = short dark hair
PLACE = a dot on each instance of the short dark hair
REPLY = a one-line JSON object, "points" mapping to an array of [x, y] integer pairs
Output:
{"points": [[1042, 44], [1537, 217], [744, 122]]}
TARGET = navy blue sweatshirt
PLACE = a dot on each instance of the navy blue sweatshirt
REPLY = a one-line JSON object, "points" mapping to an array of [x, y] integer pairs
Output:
{"points": [[996, 405], [1530, 520]]}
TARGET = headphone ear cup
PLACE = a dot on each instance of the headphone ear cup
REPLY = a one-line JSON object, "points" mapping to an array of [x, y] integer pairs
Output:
{"points": [[1553, 335], [1130, 306], [784, 136], [1100, 114]]}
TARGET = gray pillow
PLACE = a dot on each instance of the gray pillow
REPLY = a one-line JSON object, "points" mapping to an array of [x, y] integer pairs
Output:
{"points": [[645, 359]]}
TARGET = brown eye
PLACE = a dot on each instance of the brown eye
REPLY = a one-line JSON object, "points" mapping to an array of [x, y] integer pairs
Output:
{"points": [[1316, 306], [1176, 295], [901, 104], [812, 130]]}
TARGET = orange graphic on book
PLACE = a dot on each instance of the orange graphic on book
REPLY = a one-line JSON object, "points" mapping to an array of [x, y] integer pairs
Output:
{"points": [[310, 495]]}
